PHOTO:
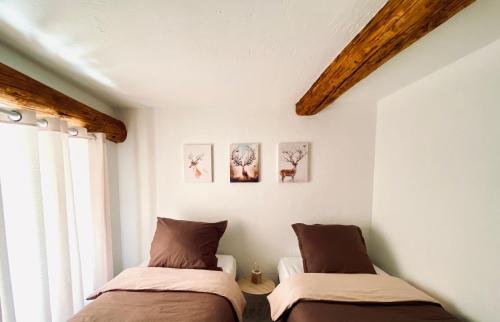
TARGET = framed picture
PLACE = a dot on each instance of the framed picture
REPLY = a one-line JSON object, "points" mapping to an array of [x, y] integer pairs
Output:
{"points": [[244, 162], [293, 162], [197, 163]]}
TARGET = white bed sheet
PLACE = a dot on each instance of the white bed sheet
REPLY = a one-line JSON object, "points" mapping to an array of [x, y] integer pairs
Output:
{"points": [[226, 262], [288, 266]]}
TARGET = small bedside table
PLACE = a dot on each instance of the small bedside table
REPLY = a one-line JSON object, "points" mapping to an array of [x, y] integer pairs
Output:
{"points": [[257, 309]]}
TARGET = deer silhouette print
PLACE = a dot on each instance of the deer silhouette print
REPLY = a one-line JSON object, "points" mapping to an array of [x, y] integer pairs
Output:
{"points": [[294, 158], [245, 157], [194, 161]]}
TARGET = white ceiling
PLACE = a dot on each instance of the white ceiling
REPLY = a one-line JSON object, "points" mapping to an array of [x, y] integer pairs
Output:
{"points": [[186, 53]]}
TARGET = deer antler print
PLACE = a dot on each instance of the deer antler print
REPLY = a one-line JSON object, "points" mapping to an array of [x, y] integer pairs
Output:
{"points": [[236, 157], [288, 156], [300, 155], [292, 157], [195, 160], [251, 157], [242, 156]]}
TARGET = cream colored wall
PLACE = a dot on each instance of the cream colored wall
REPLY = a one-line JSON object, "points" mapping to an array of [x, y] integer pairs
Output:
{"points": [[259, 214], [436, 205]]}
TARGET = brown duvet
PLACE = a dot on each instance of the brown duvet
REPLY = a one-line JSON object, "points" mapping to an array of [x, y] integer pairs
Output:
{"points": [[309, 311], [312, 297], [135, 306], [151, 294]]}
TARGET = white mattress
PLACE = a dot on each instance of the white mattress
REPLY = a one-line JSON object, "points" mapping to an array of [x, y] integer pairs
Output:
{"points": [[226, 262], [288, 266]]}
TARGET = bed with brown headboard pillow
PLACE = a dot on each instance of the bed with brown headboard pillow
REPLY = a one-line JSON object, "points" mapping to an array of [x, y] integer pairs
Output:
{"points": [[181, 283], [338, 283]]}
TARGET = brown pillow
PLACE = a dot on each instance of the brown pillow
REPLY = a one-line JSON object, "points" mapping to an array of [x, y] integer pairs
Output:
{"points": [[333, 249], [186, 244]]}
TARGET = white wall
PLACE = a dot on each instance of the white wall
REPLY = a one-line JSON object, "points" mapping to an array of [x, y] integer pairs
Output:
{"points": [[137, 189], [436, 205], [259, 214]]}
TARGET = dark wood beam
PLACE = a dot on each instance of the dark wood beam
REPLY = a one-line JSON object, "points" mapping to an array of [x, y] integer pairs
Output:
{"points": [[20, 91], [396, 26]]}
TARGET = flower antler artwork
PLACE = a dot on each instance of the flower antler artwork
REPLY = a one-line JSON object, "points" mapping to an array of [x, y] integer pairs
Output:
{"points": [[292, 154], [244, 164]]}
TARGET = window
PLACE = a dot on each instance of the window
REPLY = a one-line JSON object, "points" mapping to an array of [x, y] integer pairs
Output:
{"points": [[53, 233]]}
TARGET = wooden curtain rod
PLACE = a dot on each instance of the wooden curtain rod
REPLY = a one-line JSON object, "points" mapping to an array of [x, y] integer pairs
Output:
{"points": [[20, 91]]}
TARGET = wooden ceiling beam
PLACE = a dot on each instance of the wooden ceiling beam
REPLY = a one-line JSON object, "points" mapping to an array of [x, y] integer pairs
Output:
{"points": [[20, 91], [395, 27]]}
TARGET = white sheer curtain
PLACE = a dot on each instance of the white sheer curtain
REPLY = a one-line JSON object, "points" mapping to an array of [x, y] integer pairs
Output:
{"points": [[103, 268], [55, 243]]}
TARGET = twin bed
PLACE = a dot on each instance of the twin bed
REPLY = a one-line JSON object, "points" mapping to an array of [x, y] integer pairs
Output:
{"points": [[347, 309], [167, 294], [185, 281]]}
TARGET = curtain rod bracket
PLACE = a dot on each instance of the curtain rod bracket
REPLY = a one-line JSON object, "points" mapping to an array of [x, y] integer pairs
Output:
{"points": [[43, 123], [14, 116], [72, 131]]}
